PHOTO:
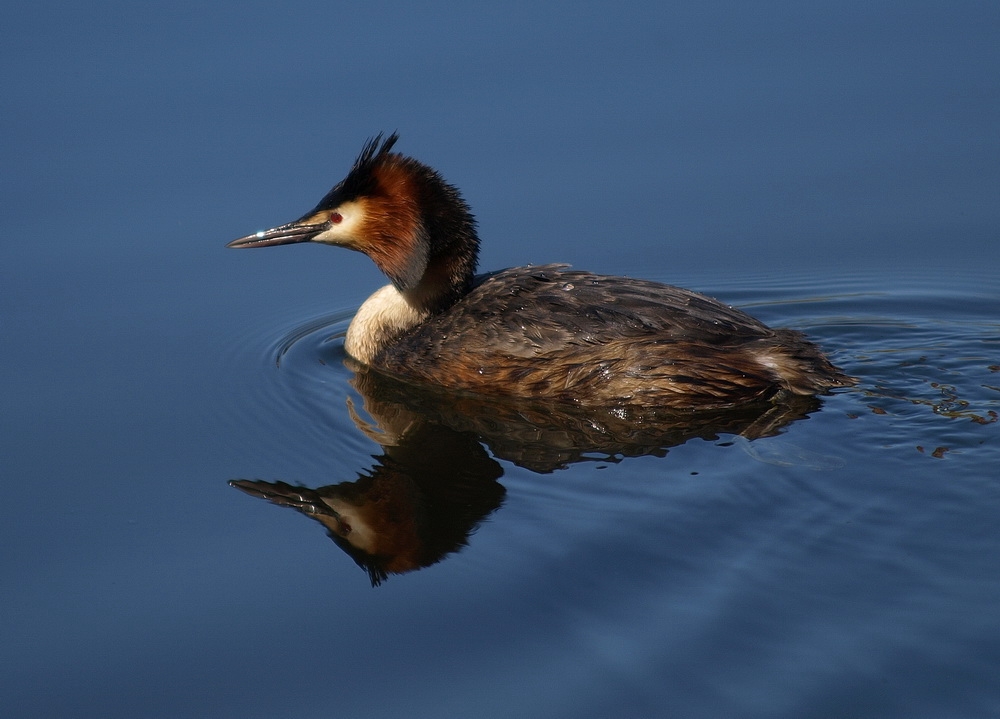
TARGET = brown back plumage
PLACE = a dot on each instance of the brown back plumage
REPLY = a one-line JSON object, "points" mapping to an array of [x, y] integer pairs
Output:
{"points": [[571, 336]]}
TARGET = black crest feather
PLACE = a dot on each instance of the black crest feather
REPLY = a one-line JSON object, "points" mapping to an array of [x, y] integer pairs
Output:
{"points": [[360, 180]]}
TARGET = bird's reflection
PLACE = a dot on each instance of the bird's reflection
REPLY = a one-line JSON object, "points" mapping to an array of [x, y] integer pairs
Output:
{"points": [[435, 481], [419, 503]]}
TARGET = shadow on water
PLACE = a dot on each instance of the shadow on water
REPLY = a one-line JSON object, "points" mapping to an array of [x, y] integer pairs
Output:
{"points": [[435, 481]]}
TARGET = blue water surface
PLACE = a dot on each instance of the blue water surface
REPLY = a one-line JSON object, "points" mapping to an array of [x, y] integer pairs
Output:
{"points": [[831, 168]]}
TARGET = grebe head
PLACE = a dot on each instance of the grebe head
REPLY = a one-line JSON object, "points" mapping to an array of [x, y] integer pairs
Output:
{"points": [[402, 214]]}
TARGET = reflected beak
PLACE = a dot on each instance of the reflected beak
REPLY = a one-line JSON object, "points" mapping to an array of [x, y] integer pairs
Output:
{"points": [[283, 494], [298, 231], [306, 500]]}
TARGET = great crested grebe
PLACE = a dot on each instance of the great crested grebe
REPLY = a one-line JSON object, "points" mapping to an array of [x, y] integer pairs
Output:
{"points": [[540, 332]]}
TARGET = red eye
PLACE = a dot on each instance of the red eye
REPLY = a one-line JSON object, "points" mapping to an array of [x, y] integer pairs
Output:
{"points": [[336, 218]]}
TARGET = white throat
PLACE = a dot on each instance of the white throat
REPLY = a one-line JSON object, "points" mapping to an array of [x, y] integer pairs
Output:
{"points": [[382, 317]]}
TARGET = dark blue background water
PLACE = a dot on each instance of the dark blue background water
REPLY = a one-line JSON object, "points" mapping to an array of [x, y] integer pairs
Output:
{"points": [[834, 169]]}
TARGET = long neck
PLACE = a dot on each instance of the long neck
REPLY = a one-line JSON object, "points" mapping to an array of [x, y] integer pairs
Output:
{"points": [[443, 245], [390, 312], [428, 248]]}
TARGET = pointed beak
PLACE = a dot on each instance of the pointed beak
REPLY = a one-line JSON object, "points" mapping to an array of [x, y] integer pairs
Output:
{"points": [[307, 501], [298, 231], [283, 494]]}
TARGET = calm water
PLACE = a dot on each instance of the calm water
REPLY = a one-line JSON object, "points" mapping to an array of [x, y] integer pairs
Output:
{"points": [[836, 171]]}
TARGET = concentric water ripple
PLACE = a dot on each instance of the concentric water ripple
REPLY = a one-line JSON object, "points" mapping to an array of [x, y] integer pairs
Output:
{"points": [[294, 383]]}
